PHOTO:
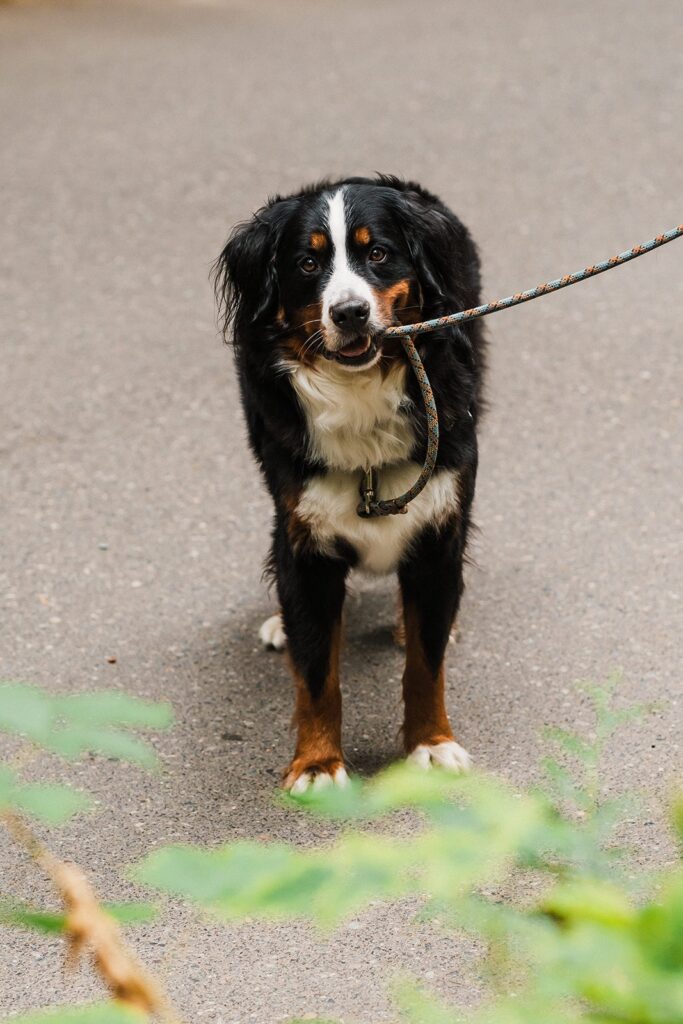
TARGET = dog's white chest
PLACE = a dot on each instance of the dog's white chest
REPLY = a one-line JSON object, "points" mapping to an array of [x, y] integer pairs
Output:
{"points": [[355, 421], [328, 506]]}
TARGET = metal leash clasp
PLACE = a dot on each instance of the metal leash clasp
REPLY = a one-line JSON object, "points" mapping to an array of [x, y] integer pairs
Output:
{"points": [[368, 491]]}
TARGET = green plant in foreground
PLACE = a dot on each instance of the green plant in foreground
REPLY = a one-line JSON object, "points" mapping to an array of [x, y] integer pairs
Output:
{"points": [[583, 951], [95, 1013], [71, 726]]}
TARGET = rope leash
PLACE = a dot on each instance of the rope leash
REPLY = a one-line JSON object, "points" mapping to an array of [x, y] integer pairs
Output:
{"points": [[369, 506]]}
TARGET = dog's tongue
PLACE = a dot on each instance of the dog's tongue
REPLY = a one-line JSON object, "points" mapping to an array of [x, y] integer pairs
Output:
{"points": [[355, 348]]}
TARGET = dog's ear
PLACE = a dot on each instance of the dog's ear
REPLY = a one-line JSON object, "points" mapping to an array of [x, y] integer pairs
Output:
{"points": [[245, 277], [441, 249]]}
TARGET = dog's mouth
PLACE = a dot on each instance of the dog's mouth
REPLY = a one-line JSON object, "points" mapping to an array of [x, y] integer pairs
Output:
{"points": [[356, 352]]}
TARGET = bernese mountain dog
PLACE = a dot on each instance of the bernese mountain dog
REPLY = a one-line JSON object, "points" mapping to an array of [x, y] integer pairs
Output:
{"points": [[309, 284]]}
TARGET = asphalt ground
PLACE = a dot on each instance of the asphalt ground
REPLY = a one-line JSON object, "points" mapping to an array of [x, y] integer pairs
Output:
{"points": [[134, 523]]}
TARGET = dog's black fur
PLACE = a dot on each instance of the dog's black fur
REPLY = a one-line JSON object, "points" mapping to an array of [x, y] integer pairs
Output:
{"points": [[266, 297]]}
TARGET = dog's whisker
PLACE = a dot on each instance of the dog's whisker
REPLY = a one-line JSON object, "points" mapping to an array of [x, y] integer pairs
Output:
{"points": [[299, 327], [312, 340]]}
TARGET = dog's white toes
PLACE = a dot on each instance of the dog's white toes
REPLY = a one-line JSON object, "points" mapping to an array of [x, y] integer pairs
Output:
{"points": [[341, 777], [317, 781], [272, 633], [420, 756], [449, 755], [301, 784]]}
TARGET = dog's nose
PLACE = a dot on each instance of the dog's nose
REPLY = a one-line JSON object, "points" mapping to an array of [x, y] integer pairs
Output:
{"points": [[351, 314]]}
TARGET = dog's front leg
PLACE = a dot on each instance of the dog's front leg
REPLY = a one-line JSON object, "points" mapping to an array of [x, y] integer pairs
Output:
{"points": [[431, 586], [311, 590]]}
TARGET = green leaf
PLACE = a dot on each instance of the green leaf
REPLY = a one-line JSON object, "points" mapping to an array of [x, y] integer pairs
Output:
{"points": [[80, 723], [572, 744], [53, 922], [48, 802], [132, 913], [406, 785], [7, 784], [587, 900], [564, 785], [660, 926], [26, 917], [112, 707], [420, 1007], [73, 740], [244, 878], [25, 711], [95, 1013], [360, 868]]}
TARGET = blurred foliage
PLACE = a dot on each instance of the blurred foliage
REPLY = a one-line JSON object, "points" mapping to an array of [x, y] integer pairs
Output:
{"points": [[80, 723], [48, 802], [582, 949], [96, 1013], [590, 943], [51, 922], [70, 726]]}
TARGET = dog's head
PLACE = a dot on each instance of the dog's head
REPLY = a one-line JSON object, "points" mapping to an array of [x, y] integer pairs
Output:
{"points": [[325, 271]]}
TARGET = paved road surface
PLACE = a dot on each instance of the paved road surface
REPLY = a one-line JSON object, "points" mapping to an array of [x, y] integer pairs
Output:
{"points": [[133, 522]]}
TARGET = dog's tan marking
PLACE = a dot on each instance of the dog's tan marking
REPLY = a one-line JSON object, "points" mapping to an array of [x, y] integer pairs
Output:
{"points": [[318, 241], [399, 630], [304, 323], [362, 236], [306, 317], [318, 723], [393, 299], [298, 532], [295, 347], [425, 718]]}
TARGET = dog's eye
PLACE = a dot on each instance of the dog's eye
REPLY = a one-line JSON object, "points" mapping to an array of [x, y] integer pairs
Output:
{"points": [[377, 254], [308, 265]]}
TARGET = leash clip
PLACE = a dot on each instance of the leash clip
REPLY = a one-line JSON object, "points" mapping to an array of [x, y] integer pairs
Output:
{"points": [[368, 491]]}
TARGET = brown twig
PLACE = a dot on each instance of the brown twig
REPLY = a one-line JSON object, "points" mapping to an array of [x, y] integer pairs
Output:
{"points": [[89, 928]]}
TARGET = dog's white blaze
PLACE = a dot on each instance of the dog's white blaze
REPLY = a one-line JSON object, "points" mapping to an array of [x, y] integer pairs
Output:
{"points": [[344, 282]]}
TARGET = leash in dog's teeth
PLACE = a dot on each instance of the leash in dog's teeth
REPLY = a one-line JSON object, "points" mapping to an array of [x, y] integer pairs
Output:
{"points": [[370, 506]]}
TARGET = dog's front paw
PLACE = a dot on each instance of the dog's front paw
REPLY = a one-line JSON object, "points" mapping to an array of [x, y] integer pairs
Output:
{"points": [[446, 754], [272, 633], [301, 777]]}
